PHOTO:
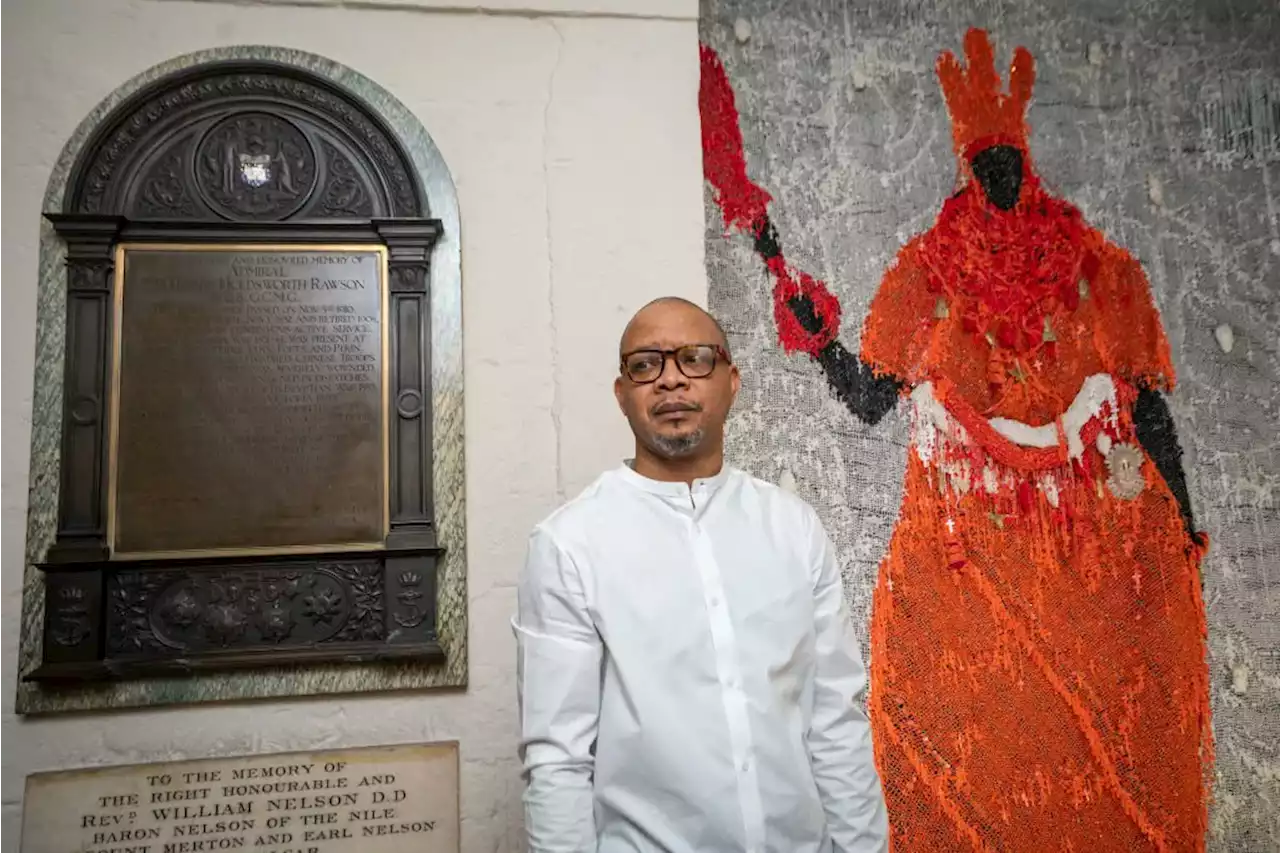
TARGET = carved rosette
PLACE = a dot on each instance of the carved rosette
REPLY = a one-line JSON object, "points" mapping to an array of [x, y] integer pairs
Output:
{"points": [[129, 629]]}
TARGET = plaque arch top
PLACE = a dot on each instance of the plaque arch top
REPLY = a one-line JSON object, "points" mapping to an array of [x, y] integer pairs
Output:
{"points": [[244, 140], [243, 146]]}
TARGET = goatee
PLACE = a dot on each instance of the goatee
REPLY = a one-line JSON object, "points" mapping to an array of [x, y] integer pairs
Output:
{"points": [[675, 446]]}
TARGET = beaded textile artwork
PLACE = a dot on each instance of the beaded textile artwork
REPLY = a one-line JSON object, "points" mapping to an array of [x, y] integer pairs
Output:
{"points": [[1038, 643]]}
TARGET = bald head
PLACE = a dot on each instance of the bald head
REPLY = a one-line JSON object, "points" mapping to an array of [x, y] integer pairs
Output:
{"points": [[676, 385], [671, 311]]}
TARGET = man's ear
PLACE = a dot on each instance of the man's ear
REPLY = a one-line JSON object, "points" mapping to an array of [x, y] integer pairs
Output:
{"points": [[735, 382], [617, 393]]}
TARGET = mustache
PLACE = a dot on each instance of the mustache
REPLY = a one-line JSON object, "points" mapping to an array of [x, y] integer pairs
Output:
{"points": [[675, 406]]}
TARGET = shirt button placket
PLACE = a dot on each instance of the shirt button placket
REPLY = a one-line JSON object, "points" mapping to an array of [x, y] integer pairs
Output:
{"points": [[735, 700]]}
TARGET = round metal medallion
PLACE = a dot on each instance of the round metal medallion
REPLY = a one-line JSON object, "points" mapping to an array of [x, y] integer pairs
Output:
{"points": [[255, 166], [1124, 467]]}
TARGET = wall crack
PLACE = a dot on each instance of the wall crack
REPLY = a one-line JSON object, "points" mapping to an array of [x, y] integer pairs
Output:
{"points": [[557, 395]]}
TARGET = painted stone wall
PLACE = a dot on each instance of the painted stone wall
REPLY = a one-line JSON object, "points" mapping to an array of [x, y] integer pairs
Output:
{"points": [[1161, 124]]}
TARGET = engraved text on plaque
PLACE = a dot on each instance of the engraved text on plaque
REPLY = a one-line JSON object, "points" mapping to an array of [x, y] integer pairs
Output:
{"points": [[249, 399], [393, 799]]}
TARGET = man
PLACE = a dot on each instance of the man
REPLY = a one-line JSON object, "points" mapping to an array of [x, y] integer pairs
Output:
{"points": [[687, 678]]}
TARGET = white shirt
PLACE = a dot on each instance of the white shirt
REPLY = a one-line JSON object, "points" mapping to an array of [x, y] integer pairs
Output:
{"points": [[687, 677]]}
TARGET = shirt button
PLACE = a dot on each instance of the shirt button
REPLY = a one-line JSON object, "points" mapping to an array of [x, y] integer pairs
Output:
{"points": [[715, 601]]}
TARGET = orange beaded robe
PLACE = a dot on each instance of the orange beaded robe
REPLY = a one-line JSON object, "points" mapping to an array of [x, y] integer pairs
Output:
{"points": [[1038, 636]]}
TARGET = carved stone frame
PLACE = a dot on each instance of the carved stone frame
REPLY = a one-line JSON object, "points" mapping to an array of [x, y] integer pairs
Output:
{"points": [[138, 180]]}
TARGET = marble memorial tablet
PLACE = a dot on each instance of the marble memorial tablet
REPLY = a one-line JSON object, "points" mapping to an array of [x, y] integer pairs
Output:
{"points": [[391, 799]]}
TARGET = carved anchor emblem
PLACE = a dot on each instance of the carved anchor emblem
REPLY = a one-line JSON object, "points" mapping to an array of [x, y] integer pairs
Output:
{"points": [[71, 620], [413, 614]]}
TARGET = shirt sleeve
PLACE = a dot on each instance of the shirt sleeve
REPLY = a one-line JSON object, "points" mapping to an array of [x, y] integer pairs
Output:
{"points": [[558, 675], [839, 738]]}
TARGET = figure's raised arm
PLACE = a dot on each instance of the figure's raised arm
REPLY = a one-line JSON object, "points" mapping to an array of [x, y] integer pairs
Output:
{"points": [[807, 319], [806, 314]]}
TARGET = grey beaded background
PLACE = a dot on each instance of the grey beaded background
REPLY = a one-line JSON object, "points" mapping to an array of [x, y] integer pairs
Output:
{"points": [[1161, 121], [447, 401]]}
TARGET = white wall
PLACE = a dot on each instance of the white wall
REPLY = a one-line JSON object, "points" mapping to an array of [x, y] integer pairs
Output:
{"points": [[573, 140]]}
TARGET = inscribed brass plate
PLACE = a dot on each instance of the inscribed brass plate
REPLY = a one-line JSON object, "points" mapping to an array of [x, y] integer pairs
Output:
{"points": [[392, 799], [249, 407]]}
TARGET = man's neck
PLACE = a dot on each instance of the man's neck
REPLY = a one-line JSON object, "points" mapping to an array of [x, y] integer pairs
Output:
{"points": [[682, 470]]}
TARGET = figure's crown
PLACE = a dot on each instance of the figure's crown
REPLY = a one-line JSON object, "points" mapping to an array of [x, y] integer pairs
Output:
{"points": [[980, 112]]}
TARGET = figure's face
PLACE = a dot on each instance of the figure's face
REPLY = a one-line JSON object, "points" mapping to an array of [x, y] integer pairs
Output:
{"points": [[676, 382], [999, 172]]}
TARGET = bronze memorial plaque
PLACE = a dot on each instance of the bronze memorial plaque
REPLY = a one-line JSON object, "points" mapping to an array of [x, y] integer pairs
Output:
{"points": [[247, 475], [249, 399], [389, 799]]}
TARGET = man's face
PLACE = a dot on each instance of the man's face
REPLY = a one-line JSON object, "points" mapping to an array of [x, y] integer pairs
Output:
{"points": [[676, 413]]}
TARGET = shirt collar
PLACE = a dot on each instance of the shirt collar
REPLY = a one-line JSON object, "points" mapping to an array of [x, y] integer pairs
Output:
{"points": [[677, 489]]}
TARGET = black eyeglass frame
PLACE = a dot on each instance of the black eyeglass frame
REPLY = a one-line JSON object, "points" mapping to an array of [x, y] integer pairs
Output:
{"points": [[721, 354]]}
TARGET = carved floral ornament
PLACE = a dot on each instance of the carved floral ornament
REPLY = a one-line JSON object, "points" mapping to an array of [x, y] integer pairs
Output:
{"points": [[335, 602]]}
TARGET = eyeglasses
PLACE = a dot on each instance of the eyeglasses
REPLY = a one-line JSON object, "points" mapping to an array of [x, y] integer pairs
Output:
{"points": [[696, 361]]}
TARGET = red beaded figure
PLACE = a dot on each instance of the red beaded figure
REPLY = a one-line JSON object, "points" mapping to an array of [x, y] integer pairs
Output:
{"points": [[1038, 663]]}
